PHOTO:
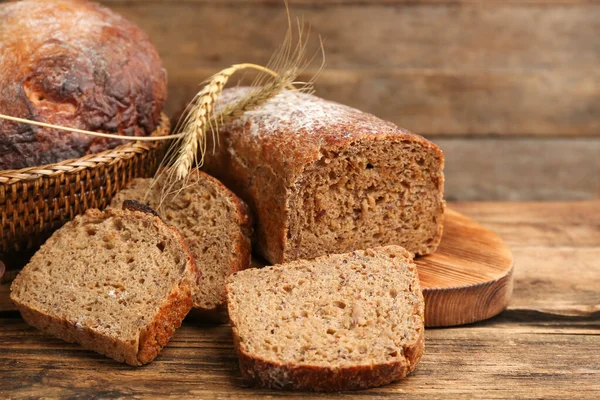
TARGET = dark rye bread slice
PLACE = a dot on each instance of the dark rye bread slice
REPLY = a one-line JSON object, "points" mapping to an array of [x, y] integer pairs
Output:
{"points": [[216, 225], [118, 282], [324, 178], [339, 322]]}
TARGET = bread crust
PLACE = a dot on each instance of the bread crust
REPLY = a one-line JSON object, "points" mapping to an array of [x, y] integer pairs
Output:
{"points": [[175, 308], [262, 165], [242, 248], [77, 64], [317, 378], [155, 335], [134, 205], [158, 333]]}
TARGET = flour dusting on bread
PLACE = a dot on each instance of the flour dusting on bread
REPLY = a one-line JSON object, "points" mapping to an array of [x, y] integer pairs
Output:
{"points": [[301, 113]]}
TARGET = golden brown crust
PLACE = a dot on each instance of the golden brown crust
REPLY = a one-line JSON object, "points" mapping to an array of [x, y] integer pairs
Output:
{"points": [[240, 240], [177, 306], [244, 218], [162, 328], [78, 64], [121, 351], [242, 248]]}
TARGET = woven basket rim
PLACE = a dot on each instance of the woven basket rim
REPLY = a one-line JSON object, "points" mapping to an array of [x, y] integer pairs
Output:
{"points": [[107, 157]]}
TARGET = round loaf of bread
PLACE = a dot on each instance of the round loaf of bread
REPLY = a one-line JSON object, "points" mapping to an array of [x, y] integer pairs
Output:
{"points": [[76, 64]]}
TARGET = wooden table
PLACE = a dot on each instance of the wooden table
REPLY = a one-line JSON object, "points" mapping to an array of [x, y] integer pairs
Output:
{"points": [[545, 345]]}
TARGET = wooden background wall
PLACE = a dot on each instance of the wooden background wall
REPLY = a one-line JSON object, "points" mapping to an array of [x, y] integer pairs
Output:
{"points": [[510, 90]]}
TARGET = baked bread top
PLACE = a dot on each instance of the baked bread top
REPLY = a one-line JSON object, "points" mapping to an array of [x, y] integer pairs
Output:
{"points": [[77, 64], [293, 129]]}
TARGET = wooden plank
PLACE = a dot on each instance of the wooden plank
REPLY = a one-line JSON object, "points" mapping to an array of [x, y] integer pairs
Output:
{"points": [[503, 75], [560, 224], [5, 303], [521, 169], [496, 360], [453, 102], [562, 281], [556, 248]]}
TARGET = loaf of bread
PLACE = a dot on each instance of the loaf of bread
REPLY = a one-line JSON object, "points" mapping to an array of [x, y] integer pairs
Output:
{"points": [[215, 223], [324, 178], [76, 64], [338, 322], [117, 282]]}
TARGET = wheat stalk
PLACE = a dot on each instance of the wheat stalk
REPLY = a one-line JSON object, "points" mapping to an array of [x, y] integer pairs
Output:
{"points": [[199, 118], [86, 132], [281, 72], [193, 134]]}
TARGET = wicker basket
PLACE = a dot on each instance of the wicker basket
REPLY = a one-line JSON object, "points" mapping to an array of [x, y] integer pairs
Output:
{"points": [[36, 201]]}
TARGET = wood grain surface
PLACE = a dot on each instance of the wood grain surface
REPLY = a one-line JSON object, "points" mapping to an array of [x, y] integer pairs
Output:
{"points": [[469, 278], [507, 88], [501, 76], [556, 247], [545, 345], [510, 358]]}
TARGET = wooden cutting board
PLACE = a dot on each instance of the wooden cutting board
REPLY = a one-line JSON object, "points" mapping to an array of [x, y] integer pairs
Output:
{"points": [[468, 279]]}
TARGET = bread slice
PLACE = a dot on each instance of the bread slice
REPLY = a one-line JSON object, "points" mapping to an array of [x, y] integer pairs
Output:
{"points": [[118, 282], [216, 225], [339, 322], [323, 178]]}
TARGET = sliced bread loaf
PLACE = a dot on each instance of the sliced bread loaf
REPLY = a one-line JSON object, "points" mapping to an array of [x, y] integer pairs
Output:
{"points": [[117, 282], [339, 322], [215, 223], [323, 178]]}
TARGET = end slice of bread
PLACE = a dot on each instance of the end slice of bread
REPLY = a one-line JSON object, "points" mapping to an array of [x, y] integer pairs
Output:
{"points": [[118, 282], [215, 223], [338, 322]]}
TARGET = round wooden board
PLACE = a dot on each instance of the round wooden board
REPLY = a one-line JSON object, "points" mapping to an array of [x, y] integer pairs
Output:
{"points": [[469, 278]]}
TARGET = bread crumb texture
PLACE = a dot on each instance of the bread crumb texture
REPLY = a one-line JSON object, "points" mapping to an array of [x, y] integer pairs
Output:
{"points": [[117, 282], [215, 223], [338, 322], [324, 178]]}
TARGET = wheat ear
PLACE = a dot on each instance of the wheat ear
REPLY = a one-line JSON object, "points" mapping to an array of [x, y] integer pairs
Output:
{"points": [[199, 119], [285, 65]]}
